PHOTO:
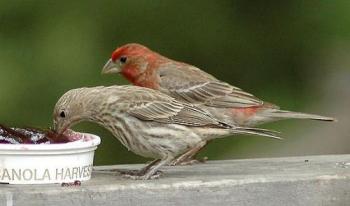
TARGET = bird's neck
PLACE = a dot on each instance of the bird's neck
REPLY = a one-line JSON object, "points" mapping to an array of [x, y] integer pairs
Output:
{"points": [[146, 79], [131, 73]]}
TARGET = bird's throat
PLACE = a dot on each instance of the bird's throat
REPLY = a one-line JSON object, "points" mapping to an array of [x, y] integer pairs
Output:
{"points": [[139, 79]]}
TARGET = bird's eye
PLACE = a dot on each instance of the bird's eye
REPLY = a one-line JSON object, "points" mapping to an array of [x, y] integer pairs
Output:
{"points": [[63, 114], [123, 59]]}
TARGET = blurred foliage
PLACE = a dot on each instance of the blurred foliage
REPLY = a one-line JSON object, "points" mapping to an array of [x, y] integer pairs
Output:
{"points": [[265, 47]]}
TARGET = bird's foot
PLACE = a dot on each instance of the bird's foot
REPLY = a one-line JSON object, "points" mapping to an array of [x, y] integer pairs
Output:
{"points": [[190, 161], [139, 174]]}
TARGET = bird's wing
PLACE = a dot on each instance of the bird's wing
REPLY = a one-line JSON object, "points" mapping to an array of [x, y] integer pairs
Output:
{"points": [[196, 86], [173, 112], [153, 110], [188, 115]]}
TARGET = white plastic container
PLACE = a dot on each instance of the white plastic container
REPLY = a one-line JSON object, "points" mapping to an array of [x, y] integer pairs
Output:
{"points": [[48, 163]]}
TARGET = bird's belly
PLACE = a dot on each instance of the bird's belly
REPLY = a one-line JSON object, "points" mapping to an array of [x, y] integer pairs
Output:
{"points": [[157, 140], [153, 139]]}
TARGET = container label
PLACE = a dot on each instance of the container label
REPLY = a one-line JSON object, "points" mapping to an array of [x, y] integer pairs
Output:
{"points": [[45, 174]]}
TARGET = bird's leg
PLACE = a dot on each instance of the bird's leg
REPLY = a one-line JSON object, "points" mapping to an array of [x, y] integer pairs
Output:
{"points": [[149, 171], [188, 157], [134, 174], [153, 171], [149, 166]]}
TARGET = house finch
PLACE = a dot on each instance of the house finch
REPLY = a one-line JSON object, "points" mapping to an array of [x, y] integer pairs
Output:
{"points": [[187, 83], [147, 122]]}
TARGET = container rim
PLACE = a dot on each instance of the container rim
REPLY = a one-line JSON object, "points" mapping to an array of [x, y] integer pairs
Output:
{"points": [[87, 141]]}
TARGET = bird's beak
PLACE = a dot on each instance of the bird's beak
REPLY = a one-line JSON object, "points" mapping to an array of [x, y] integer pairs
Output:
{"points": [[111, 67], [60, 127], [57, 128]]}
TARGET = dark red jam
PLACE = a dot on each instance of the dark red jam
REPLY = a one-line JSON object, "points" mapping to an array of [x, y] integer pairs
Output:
{"points": [[30, 136]]}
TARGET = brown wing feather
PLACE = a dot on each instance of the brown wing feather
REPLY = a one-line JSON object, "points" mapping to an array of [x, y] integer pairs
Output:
{"points": [[195, 86], [172, 112], [154, 110]]}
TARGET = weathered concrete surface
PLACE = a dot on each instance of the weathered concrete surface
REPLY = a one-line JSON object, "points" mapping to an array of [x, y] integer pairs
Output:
{"points": [[313, 180]]}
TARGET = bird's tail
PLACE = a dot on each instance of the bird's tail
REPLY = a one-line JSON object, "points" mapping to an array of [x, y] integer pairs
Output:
{"points": [[257, 131], [276, 114]]}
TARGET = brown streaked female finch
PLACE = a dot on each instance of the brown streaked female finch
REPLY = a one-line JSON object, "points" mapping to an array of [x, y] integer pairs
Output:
{"points": [[187, 83], [147, 122]]}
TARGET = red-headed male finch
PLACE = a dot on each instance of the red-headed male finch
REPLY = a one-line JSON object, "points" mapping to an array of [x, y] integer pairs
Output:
{"points": [[147, 122], [187, 83]]}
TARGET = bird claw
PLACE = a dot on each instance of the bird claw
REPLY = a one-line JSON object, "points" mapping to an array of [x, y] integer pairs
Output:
{"points": [[139, 175], [185, 162]]}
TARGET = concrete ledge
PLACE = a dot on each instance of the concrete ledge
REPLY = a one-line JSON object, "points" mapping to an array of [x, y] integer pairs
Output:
{"points": [[311, 180]]}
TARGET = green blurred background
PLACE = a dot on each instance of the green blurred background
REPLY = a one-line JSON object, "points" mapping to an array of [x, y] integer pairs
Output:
{"points": [[292, 53]]}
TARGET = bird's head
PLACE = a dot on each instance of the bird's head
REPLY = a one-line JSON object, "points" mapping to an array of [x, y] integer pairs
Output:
{"points": [[132, 61], [69, 110]]}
